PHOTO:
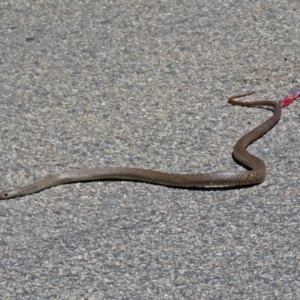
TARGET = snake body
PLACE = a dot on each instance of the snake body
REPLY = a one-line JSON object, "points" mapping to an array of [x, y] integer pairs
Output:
{"points": [[255, 175]]}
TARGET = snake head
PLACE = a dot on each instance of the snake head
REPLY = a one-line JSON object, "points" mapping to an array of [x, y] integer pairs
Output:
{"points": [[8, 194]]}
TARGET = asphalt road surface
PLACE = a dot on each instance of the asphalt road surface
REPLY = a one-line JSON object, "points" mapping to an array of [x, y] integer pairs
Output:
{"points": [[145, 84]]}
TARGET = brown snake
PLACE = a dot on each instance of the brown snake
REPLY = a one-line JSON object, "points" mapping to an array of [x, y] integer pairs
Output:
{"points": [[213, 179]]}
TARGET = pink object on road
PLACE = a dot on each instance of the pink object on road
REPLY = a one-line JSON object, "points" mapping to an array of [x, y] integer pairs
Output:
{"points": [[294, 93]]}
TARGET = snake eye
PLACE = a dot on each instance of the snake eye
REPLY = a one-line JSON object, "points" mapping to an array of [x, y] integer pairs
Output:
{"points": [[4, 195]]}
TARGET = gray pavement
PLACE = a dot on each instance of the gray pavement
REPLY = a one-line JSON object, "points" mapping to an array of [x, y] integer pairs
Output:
{"points": [[145, 84]]}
